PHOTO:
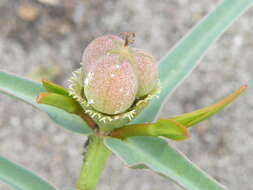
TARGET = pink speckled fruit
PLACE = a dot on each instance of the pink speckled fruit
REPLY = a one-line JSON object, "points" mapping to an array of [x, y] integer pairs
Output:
{"points": [[111, 85], [98, 48], [147, 72], [116, 74]]}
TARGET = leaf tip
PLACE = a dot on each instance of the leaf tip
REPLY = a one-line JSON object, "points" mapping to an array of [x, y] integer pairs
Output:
{"points": [[44, 81], [185, 130], [41, 97], [243, 88], [239, 91]]}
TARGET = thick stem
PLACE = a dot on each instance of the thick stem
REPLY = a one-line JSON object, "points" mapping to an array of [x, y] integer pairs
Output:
{"points": [[94, 163]]}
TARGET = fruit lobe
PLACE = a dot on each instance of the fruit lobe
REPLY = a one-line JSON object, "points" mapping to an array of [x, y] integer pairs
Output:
{"points": [[111, 85], [98, 48], [147, 72]]}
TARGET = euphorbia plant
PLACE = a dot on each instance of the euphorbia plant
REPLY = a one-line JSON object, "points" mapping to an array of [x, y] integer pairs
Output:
{"points": [[115, 97]]}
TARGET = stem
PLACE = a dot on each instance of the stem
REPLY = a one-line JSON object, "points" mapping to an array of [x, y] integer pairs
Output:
{"points": [[94, 163]]}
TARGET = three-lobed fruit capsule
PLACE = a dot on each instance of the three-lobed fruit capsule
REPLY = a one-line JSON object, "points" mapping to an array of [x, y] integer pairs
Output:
{"points": [[116, 74]]}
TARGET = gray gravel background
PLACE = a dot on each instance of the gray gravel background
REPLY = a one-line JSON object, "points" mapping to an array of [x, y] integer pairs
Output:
{"points": [[57, 35]]}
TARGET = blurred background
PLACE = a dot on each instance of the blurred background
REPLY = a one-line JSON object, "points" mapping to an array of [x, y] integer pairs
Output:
{"points": [[45, 38]]}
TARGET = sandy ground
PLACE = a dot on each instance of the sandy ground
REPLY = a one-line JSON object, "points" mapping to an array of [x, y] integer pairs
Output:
{"points": [[42, 34]]}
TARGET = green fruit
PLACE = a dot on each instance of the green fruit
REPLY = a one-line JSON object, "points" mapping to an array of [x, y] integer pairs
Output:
{"points": [[111, 85], [116, 75], [98, 48], [147, 72]]}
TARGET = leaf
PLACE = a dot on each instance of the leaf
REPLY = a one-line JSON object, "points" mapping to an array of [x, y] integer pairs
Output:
{"points": [[54, 88], [195, 117], [155, 154], [60, 101], [171, 129], [165, 127], [175, 128], [27, 91], [185, 56], [20, 178]]}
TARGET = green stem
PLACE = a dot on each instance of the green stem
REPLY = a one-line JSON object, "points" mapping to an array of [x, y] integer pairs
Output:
{"points": [[94, 163]]}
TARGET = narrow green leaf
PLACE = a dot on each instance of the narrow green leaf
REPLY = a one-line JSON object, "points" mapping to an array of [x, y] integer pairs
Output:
{"points": [[165, 127], [171, 129], [68, 121], [20, 178], [54, 88], [27, 91], [60, 101], [175, 128], [20, 88], [156, 154], [195, 117], [185, 56]]}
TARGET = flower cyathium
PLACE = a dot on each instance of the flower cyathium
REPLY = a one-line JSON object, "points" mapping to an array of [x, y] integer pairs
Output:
{"points": [[116, 81]]}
